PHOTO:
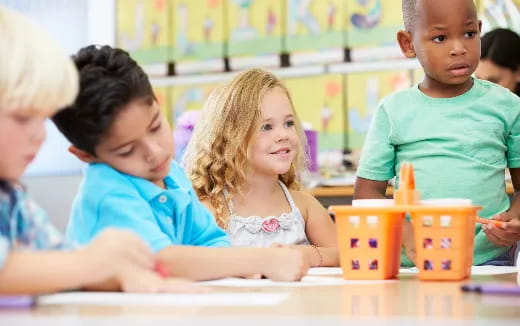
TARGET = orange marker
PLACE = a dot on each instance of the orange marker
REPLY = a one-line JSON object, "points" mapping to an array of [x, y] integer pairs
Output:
{"points": [[406, 194], [161, 270], [497, 223]]}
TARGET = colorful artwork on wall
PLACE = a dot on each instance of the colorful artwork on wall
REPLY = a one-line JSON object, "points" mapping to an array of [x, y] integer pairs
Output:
{"points": [[314, 25], [254, 27], [363, 93], [372, 23], [185, 105], [322, 108], [143, 30], [163, 98], [198, 29]]}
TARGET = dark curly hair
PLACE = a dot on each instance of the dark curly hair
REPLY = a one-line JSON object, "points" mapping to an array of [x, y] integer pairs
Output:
{"points": [[109, 80]]}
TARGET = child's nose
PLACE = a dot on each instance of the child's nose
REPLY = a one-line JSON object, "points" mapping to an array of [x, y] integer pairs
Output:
{"points": [[282, 134], [153, 149], [458, 48]]}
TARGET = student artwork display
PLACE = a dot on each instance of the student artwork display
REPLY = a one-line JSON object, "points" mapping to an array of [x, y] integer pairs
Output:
{"points": [[254, 27], [142, 28], [185, 107], [322, 108], [198, 29], [500, 13], [163, 98], [372, 23], [189, 97], [315, 26], [363, 93]]}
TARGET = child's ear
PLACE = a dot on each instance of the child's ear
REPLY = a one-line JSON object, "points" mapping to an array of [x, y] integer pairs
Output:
{"points": [[82, 155], [405, 43]]}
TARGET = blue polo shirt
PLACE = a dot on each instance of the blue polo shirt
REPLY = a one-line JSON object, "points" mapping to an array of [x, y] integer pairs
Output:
{"points": [[162, 217]]}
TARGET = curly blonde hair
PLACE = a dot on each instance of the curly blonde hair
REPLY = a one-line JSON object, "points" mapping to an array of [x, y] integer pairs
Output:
{"points": [[218, 154]]}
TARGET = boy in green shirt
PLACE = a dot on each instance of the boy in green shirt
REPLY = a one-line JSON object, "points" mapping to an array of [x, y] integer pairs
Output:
{"points": [[460, 133]]}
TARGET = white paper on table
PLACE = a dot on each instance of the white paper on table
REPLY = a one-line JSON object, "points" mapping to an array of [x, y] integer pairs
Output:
{"points": [[155, 299], [325, 271], [306, 281], [475, 270]]}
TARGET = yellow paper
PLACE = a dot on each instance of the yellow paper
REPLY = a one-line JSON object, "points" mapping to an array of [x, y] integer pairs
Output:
{"points": [[163, 98], [198, 29], [363, 92], [318, 100], [314, 25], [372, 23], [142, 28], [254, 27]]}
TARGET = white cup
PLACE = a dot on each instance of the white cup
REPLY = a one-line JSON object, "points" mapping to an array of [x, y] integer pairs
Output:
{"points": [[446, 202], [373, 202]]}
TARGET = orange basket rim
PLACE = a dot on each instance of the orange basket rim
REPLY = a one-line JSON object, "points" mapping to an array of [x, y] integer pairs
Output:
{"points": [[402, 209]]}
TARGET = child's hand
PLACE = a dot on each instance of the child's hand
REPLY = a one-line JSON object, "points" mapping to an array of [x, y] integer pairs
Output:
{"points": [[115, 250], [504, 236], [286, 264], [138, 280], [308, 250], [408, 241]]}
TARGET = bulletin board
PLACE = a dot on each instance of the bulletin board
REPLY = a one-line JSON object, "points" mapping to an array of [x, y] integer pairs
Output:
{"points": [[372, 23], [254, 27], [198, 29], [142, 28], [189, 97], [163, 95], [319, 101], [314, 25], [363, 93]]}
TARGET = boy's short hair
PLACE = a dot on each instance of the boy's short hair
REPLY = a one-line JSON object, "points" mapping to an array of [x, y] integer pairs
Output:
{"points": [[109, 80], [408, 7], [36, 75]]}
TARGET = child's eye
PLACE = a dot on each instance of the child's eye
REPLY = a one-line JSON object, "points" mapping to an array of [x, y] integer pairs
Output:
{"points": [[289, 124], [439, 39], [156, 128], [471, 34], [127, 153], [266, 126]]}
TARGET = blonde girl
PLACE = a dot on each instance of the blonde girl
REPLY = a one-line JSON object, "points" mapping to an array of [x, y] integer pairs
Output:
{"points": [[245, 160]]}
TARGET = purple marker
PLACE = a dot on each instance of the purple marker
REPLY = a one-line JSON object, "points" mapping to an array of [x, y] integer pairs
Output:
{"points": [[16, 301], [492, 288]]}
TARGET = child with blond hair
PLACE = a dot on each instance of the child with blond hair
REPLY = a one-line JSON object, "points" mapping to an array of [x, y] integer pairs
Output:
{"points": [[246, 158], [36, 79]]}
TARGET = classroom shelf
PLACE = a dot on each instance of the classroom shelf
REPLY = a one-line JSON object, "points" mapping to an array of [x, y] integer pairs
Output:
{"points": [[291, 72], [348, 191]]}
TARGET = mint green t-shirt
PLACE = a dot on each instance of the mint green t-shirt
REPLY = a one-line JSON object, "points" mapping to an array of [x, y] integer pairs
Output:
{"points": [[459, 148]]}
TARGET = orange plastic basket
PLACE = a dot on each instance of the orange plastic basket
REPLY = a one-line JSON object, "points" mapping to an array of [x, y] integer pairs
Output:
{"points": [[444, 241], [369, 238], [369, 241]]}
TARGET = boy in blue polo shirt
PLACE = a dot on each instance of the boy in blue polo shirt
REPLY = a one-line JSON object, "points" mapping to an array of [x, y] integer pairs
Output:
{"points": [[132, 182]]}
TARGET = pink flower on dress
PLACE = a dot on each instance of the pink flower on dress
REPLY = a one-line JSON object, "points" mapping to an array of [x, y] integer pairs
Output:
{"points": [[270, 225]]}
